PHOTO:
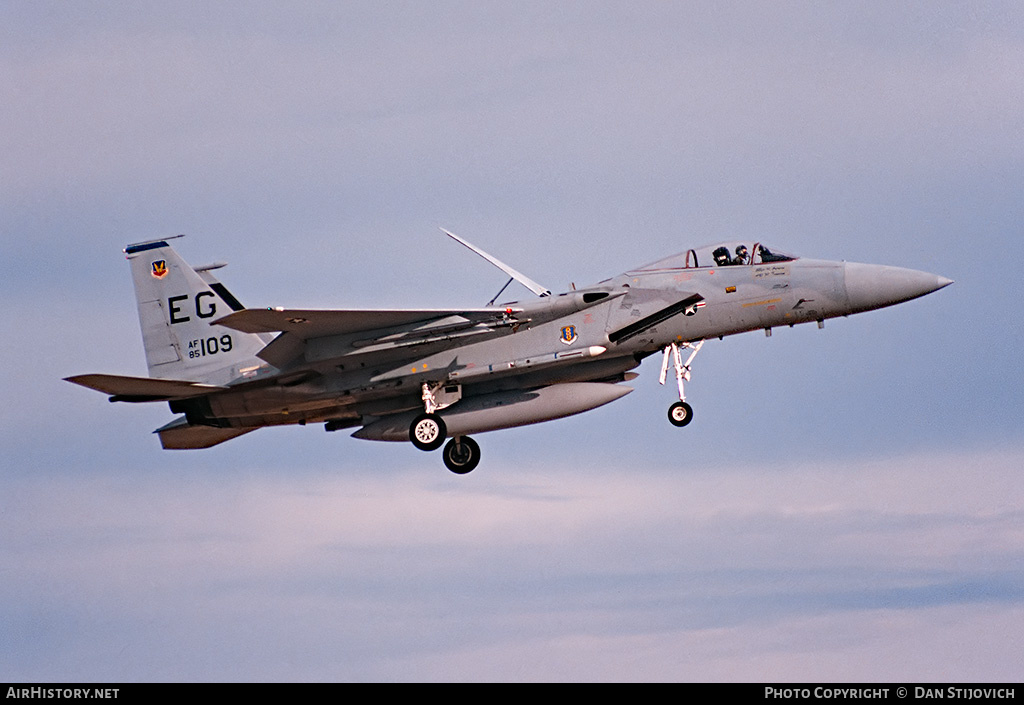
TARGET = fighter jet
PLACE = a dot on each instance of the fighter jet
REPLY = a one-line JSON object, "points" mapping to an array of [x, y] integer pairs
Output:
{"points": [[427, 376]]}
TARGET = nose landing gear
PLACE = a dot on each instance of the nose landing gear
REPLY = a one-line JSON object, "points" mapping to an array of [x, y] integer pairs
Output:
{"points": [[680, 413]]}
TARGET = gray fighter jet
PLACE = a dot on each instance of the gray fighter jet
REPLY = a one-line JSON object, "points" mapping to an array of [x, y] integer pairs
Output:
{"points": [[429, 375]]}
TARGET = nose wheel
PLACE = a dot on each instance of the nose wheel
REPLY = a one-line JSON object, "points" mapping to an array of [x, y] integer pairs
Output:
{"points": [[461, 455], [680, 413]]}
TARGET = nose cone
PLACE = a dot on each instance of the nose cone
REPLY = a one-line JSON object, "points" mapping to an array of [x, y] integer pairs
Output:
{"points": [[871, 286]]}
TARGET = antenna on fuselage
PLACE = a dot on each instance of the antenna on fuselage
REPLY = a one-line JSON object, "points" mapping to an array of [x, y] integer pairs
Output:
{"points": [[491, 302]]}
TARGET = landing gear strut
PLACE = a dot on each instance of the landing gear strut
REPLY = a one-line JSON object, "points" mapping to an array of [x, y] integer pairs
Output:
{"points": [[680, 413]]}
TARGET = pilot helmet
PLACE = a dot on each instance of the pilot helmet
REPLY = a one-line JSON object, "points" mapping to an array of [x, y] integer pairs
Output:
{"points": [[741, 250]]}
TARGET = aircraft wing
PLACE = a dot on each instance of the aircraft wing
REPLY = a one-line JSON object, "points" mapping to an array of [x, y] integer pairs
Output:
{"points": [[306, 324], [123, 388], [384, 329]]}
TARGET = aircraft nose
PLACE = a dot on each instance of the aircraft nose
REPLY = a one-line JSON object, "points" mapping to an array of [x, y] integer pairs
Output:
{"points": [[870, 286]]}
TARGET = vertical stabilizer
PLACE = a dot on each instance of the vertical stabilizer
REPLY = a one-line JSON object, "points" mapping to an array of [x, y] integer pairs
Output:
{"points": [[176, 306]]}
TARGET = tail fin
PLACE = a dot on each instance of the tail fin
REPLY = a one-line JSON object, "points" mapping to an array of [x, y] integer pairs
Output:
{"points": [[177, 305]]}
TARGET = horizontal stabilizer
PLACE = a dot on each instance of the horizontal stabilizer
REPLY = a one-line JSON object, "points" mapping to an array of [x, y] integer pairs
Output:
{"points": [[180, 435], [306, 324], [143, 388]]}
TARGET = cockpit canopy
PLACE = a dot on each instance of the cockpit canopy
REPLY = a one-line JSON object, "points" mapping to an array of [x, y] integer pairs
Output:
{"points": [[723, 254]]}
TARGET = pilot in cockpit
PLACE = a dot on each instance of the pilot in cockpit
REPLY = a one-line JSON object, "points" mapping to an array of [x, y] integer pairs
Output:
{"points": [[722, 258]]}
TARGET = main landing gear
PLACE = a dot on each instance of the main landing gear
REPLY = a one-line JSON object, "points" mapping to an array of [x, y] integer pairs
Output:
{"points": [[428, 432], [680, 413], [461, 455]]}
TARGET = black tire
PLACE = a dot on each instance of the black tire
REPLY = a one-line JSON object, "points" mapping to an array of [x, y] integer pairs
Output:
{"points": [[461, 455], [680, 413], [427, 431]]}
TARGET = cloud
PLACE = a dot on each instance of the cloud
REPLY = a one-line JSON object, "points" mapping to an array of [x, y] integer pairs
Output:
{"points": [[742, 573]]}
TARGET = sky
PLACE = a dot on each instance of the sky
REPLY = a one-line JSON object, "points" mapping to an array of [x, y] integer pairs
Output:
{"points": [[846, 505]]}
